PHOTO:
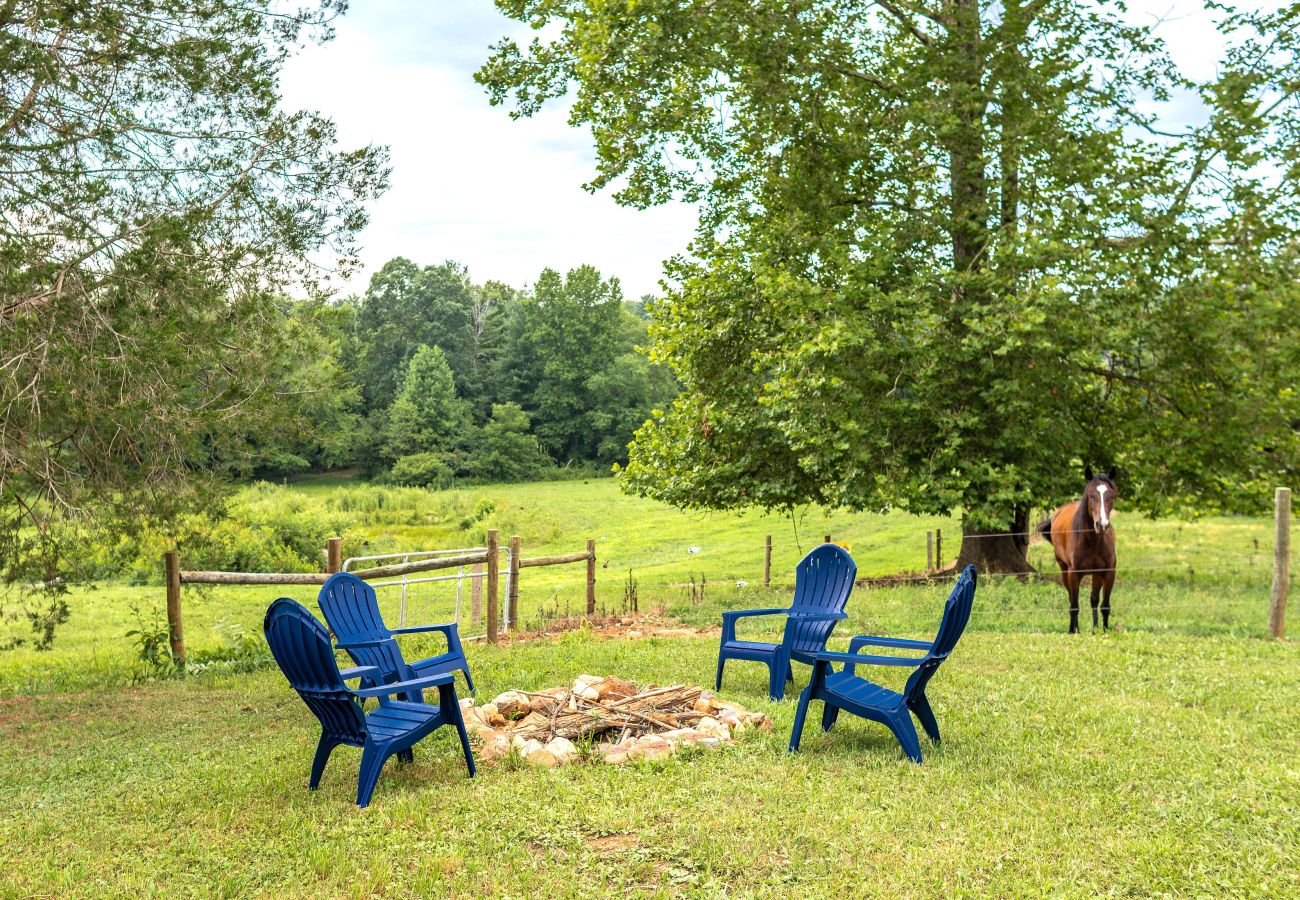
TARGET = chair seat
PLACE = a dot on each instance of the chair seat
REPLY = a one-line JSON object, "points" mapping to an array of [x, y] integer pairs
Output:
{"points": [[859, 690], [397, 718], [752, 646]]}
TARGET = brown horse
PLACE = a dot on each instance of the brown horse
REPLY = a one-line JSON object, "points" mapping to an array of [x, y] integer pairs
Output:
{"points": [[1084, 541]]}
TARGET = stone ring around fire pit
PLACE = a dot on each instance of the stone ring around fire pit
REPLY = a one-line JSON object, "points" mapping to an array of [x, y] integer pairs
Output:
{"points": [[615, 718]]}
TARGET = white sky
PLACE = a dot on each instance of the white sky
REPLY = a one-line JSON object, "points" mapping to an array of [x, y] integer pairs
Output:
{"points": [[505, 197]]}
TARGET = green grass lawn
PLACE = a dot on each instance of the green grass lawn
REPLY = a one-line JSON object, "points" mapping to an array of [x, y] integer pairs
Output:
{"points": [[1160, 758], [1130, 764]]}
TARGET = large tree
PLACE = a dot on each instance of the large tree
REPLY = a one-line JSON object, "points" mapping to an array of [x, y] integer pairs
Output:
{"points": [[566, 331], [946, 253], [407, 306], [154, 197]]}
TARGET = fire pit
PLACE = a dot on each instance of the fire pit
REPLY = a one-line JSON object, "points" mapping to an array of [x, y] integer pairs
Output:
{"points": [[612, 720]]}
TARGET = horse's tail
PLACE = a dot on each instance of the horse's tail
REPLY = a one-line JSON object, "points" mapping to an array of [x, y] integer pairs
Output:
{"points": [[1045, 528]]}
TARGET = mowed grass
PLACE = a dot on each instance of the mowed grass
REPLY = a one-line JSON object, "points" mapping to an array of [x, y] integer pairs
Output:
{"points": [[1159, 758], [1130, 764], [1205, 577]]}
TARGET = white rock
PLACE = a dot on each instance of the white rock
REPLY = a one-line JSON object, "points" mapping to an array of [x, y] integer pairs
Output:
{"points": [[524, 745], [495, 745], [489, 713], [712, 727], [562, 749], [513, 704], [542, 758]]}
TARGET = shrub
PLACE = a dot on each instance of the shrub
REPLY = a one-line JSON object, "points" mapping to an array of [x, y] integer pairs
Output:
{"points": [[421, 470]]}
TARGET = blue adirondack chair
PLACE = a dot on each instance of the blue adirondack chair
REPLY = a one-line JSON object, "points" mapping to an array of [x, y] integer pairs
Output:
{"points": [[352, 611], [822, 584], [301, 646], [846, 690]]}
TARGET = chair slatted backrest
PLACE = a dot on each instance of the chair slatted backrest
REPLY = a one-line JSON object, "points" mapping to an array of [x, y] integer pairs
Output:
{"points": [[351, 608], [823, 582], [956, 613], [301, 647]]}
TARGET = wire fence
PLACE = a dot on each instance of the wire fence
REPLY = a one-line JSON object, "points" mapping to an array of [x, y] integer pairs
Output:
{"points": [[1198, 586], [1216, 579], [456, 597]]}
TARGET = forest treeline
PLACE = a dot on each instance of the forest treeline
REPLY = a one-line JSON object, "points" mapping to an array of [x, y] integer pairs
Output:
{"points": [[428, 377]]}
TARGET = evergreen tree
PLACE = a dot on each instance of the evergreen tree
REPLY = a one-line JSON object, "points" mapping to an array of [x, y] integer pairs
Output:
{"points": [[427, 416]]}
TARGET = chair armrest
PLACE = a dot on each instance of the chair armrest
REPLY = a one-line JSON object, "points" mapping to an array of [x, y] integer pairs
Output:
{"points": [[361, 672], [734, 614], [449, 630], [900, 643], [860, 659], [731, 616], [416, 629], [402, 687]]}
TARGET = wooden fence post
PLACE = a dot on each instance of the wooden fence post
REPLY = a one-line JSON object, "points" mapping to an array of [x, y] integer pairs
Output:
{"points": [[493, 566], [591, 577], [476, 595], [172, 568], [767, 562], [1281, 562], [334, 555], [512, 596], [929, 551], [938, 548]]}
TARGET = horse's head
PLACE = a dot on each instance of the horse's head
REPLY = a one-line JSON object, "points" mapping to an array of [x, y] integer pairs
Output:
{"points": [[1099, 498]]}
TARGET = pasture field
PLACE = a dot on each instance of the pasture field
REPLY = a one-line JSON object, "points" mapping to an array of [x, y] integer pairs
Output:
{"points": [[1205, 577]]}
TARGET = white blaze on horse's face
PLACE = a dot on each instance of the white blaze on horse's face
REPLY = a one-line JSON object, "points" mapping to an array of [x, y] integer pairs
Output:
{"points": [[1104, 521]]}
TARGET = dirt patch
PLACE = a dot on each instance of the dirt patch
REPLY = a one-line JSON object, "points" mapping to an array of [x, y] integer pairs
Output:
{"points": [[614, 844], [624, 627], [14, 710]]}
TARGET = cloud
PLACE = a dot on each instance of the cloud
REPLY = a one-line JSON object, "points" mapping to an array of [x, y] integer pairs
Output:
{"points": [[505, 197], [469, 183]]}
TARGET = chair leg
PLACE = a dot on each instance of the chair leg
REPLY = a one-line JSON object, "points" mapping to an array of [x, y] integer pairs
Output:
{"points": [[469, 681], [323, 751], [789, 672], [776, 680], [800, 714], [829, 715], [407, 756], [464, 745], [921, 707], [905, 731], [372, 762], [717, 680]]}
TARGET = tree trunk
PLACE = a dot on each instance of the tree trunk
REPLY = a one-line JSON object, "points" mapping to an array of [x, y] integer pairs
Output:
{"points": [[997, 551]]}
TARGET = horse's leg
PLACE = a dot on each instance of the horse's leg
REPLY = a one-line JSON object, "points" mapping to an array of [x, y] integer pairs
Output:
{"points": [[1105, 599], [1072, 585], [1096, 598]]}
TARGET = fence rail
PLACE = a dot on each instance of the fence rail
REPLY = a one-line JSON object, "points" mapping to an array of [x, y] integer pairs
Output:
{"points": [[489, 557]]}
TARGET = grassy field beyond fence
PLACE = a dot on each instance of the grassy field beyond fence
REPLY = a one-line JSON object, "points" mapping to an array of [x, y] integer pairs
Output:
{"points": [[1210, 576]]}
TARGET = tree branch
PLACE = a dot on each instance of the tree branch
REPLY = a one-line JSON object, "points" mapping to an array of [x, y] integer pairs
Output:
{"points": [[905, 20]]}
